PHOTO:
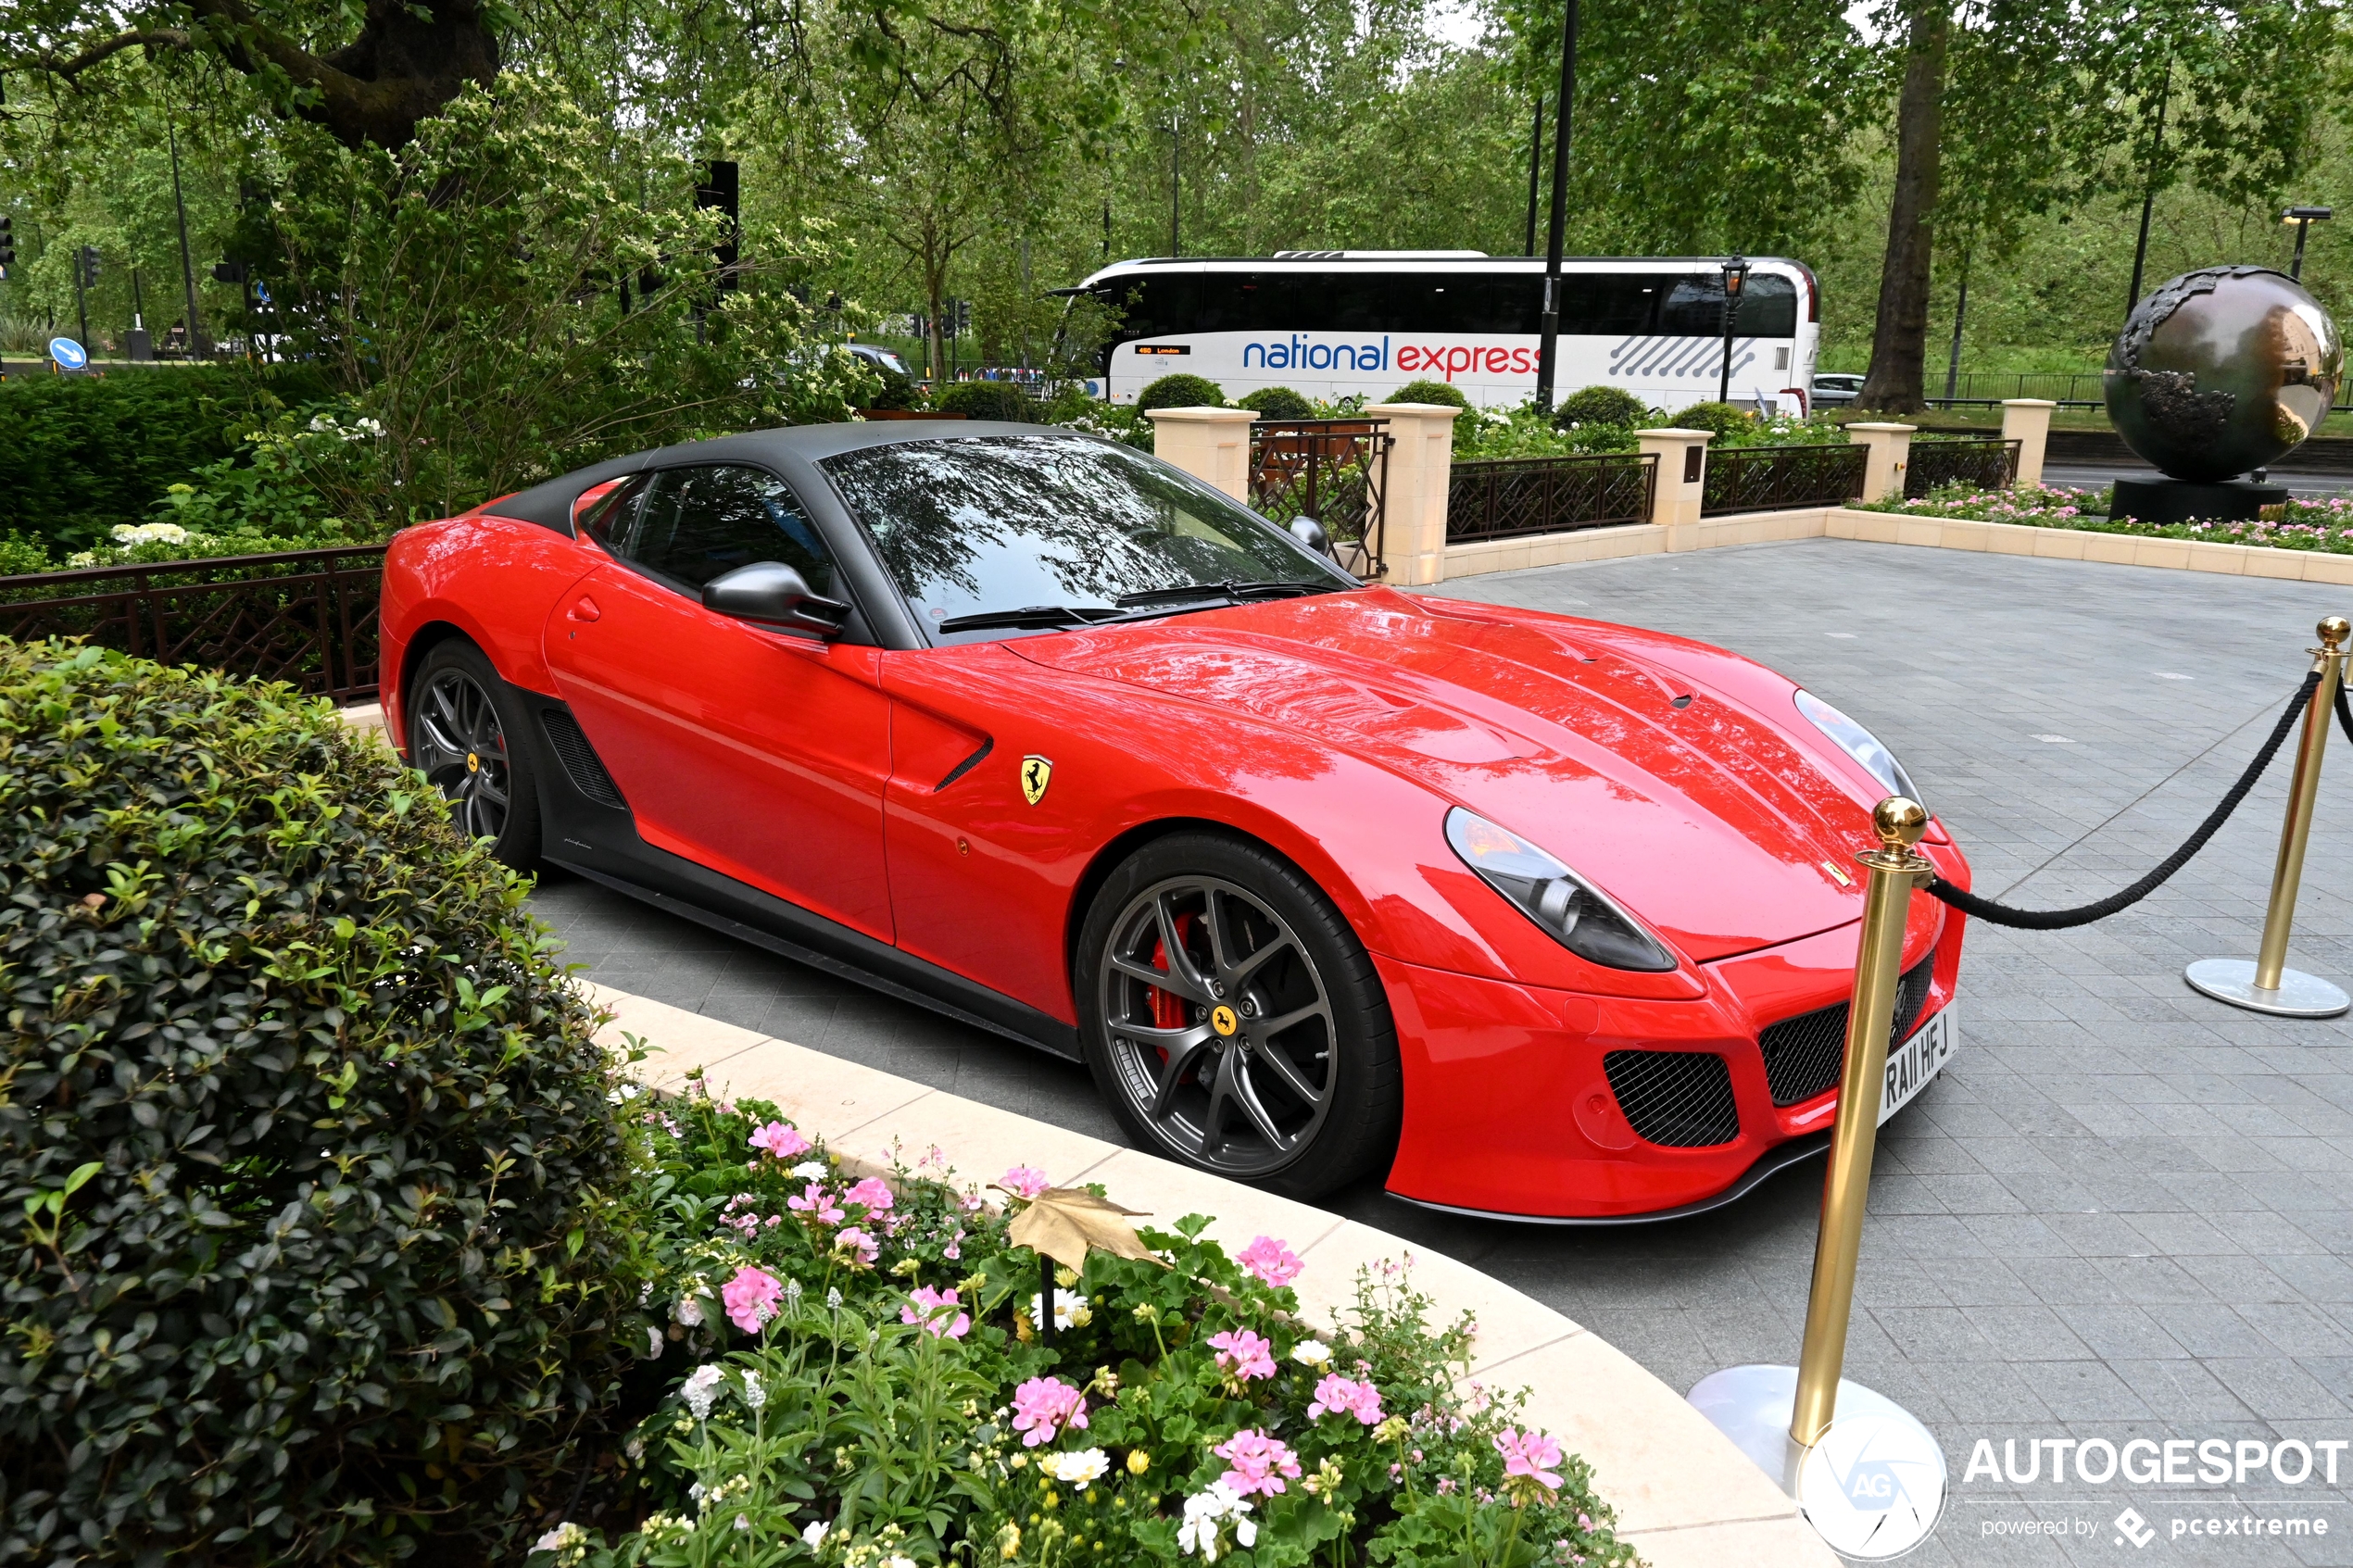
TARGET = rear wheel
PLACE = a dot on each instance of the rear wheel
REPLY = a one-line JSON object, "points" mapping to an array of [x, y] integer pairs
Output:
{"points": [[1232, 1019], [464, 739]]}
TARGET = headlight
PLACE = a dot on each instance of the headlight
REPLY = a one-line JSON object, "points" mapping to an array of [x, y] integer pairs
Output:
{"points": [[1859, 744], [1572, 911]]}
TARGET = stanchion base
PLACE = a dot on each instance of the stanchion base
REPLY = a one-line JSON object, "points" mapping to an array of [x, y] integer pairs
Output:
{"points": [[2298, 996], [1875, 1486]]}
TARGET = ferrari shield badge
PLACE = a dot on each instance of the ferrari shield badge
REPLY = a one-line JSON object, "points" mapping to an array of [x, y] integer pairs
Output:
{"points": [[1036, 775]]}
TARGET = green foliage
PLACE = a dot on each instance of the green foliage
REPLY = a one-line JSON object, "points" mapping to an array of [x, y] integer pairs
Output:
{"points": [[81, 454], [899, 392], [1445, 393], [1725, 420], [848, 1355], [309, 1130], [1277, 402], [988, 400], [1601, 405], [1180, 392]]}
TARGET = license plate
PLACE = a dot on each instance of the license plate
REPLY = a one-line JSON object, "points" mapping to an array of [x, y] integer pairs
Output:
{"points": [[1919, 1060]]}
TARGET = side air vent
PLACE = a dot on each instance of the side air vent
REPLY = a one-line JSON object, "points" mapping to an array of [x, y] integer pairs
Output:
{"points": [[1805, 1055], [580, 759], [1679, 1099]]}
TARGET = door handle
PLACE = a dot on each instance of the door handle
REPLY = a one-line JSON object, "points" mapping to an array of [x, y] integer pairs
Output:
{"points": [[585, 610]]}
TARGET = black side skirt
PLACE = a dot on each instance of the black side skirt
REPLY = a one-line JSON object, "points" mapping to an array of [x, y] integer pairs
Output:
{"points": [[588, 828]]}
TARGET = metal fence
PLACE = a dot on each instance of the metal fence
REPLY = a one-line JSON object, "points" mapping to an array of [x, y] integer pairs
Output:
{"points": [[1763, 479], [305, 617], [1508, 497], [1985, 464], [1334, 470]]}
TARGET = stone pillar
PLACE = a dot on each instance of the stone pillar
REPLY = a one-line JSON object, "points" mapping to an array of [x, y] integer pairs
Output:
{"points": [[1682, 471], [1421, 466], [1213, 444], [2027, 420], [1890, 451]]}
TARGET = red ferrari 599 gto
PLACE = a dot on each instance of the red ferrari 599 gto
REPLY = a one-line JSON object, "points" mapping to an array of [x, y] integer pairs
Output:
{"points": [[1549, 918]]}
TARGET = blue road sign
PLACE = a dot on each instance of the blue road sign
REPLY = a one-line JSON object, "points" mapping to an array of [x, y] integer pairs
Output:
{"points": [[69, 355]]}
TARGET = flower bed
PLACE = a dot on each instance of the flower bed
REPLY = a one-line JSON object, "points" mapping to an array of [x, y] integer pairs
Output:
{"points": [[2299, 525], [852, 1374]]}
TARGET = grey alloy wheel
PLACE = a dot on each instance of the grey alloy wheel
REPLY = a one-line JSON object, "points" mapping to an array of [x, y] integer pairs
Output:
{"points": [[459, 743]]}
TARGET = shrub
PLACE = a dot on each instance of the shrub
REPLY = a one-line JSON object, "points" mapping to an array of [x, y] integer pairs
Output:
{"points": [[1601, 405], [1725, 420], [310, 1132], [988, 400], [1277, 402], [1180, 392], [897, 392], [1429, 392]]}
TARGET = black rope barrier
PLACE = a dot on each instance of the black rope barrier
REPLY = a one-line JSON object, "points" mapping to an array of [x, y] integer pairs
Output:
{"points": [[2060, 920], [2344, 712]]}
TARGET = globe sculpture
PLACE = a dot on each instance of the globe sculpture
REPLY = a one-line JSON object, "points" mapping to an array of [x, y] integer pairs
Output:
{"points": [[2221, 371]]}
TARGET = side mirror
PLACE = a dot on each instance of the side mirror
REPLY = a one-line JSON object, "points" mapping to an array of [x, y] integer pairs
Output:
{"points": [[1310, 532], [772, 593]]}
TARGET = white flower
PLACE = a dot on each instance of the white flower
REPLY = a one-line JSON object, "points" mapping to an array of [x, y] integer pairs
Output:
{"points": [[1206, 1512], [688, 1310], [653, 1343], [896, 1560], [1082, 1469], [755, 1395], [699, 1389], [813, 1171], [1312, 1352], [1070, 1309], [743, 1522], [815, 1535], [833, 1300]]}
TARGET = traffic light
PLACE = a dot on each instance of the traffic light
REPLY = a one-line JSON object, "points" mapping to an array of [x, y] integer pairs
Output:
{"points": [[88, 259], [960, 317], [7, 241], [229, 273], [919, 325]]}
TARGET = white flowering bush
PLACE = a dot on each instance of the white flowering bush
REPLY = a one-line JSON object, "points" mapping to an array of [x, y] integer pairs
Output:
{"points": [[852, 1376], [2325, 524]]}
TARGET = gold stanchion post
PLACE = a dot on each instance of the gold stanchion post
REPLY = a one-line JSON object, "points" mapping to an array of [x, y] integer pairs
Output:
{"points": [[1894, 870], [2268, 985]]}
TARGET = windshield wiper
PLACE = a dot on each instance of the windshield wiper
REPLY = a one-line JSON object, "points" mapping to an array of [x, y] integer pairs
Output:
{"points": [[1028, 614], [1236, 593]]}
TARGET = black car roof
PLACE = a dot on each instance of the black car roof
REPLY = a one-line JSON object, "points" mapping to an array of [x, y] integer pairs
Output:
{"points": [[549, 504]]}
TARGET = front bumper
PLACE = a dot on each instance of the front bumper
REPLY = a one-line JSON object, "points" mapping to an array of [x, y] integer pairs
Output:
{"points": [[1510, 1111]]}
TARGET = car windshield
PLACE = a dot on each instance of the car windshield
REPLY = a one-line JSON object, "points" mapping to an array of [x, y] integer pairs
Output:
{"points": [[1058, 530]]}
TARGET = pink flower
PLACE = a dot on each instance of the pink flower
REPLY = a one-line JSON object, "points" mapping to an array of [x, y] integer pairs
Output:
{"points": [[781, 1139], [1259, 1463], [1343, 1396], [935, 1305], [873, 1192], [1270, 1262], [1044, 1405], [1244, 1354], [1531, 1454], [817, 1203], [1023, 1182], [852, 1238], [750, 1297]]}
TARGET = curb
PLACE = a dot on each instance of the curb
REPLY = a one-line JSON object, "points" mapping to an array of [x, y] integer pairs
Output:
{"points": [[1685, 1497], [1893, 528]]}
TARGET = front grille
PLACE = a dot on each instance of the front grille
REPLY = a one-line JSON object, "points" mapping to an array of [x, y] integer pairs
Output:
{"points": [[1804, 1055], [586, 768], [1681, 1100]]}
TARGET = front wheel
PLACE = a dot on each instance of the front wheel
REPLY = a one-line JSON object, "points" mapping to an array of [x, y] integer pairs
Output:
{"points": [[462, 738], [1232, 1019]]}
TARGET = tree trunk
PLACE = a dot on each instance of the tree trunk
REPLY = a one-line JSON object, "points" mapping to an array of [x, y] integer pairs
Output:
{"points": [[1899, 342]]}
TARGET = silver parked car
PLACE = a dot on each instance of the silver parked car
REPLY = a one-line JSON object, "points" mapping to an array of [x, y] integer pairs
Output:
{"points": [[1836, 389]]}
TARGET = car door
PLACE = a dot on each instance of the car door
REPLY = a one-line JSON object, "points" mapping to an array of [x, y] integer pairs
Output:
{"points": [[757, 752]]}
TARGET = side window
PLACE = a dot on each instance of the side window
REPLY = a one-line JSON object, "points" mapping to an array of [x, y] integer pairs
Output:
{"points": [[608, 517], [695, 524]]}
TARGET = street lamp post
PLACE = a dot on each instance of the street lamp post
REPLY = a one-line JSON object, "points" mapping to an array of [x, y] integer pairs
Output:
{"points": [[2304, 217], [1548, 345], [1735, 274], [1176, 188]]}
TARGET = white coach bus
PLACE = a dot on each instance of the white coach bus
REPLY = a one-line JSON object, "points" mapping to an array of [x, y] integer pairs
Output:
{"points": [[1330, 324]]}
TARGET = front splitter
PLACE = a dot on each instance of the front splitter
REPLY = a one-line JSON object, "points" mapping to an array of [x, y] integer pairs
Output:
{"points": [[1772, 1163]]}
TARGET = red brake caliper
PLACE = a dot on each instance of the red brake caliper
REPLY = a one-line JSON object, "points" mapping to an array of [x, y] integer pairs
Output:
{"points": [[1169, 1010]]}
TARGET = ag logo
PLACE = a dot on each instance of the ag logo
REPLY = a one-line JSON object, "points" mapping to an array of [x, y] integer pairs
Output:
{"points": [[1873, 1487], [1036, 775]]}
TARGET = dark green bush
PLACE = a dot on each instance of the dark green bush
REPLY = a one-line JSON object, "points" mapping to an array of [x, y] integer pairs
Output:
{"points": [[81, 454], [1278, 403], [988, 400], [1601, 405], [1428, 392], [1181, 392], [1723, 419], [312, 1136], [897, 392]]}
